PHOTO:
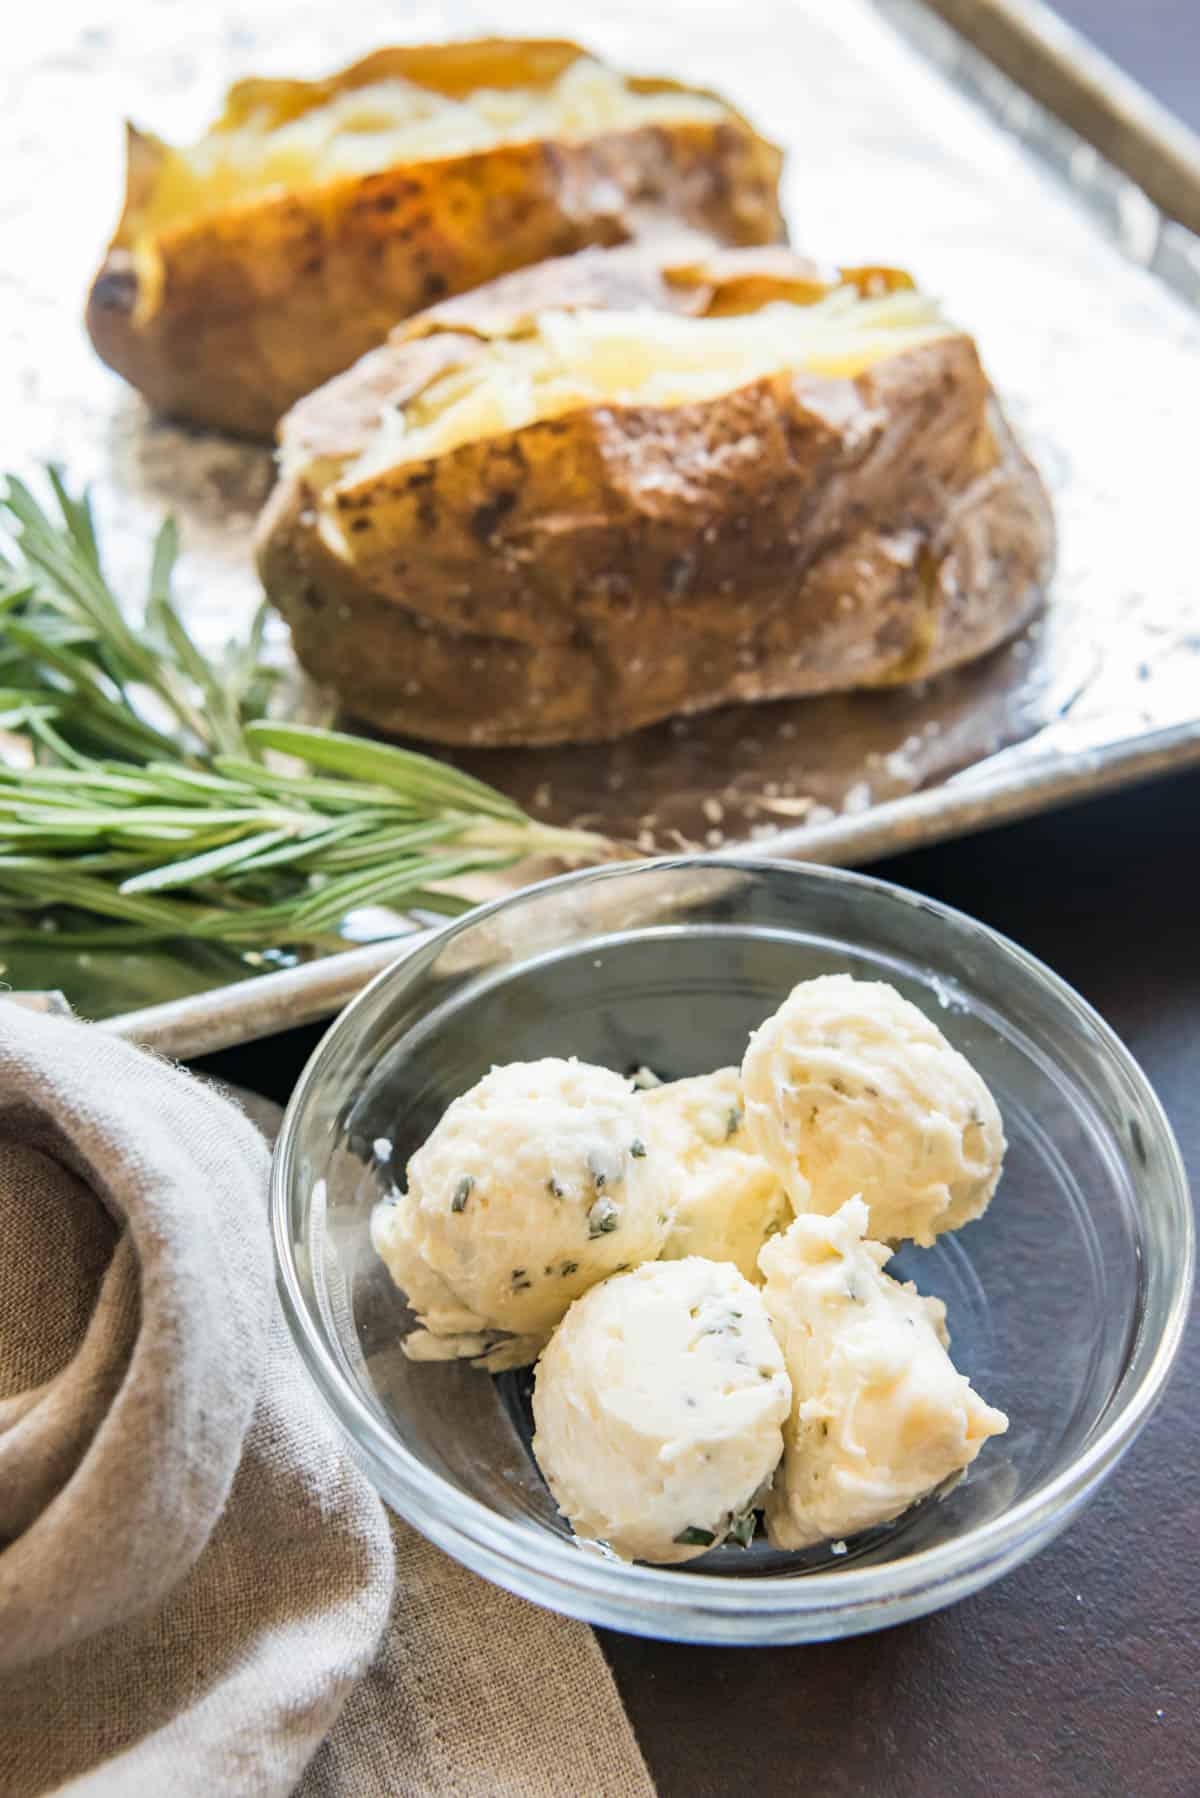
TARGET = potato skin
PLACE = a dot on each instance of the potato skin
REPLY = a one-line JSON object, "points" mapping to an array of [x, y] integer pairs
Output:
{"points": [[590, 574], [253, 307]]}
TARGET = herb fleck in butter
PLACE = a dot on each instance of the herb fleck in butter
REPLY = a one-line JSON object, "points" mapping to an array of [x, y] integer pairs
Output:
{"points": [[603, 1218], [462, 1193], [741, 1530]]}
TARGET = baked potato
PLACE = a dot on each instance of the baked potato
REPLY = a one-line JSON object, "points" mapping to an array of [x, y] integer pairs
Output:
{"points": [[251, 266], [614, 488]]}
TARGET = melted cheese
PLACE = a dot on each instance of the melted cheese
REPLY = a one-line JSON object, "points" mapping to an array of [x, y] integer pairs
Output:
{"points": [[658, 1408], [880, 1416], [362, 130], [570, 361]]}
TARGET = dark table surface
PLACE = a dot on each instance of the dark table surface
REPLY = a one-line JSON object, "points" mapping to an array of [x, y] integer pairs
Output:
{"points": [[1079, 1674]]}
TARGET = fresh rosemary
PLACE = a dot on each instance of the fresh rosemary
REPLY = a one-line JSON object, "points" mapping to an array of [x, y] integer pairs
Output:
{"points": [[145, 794]]}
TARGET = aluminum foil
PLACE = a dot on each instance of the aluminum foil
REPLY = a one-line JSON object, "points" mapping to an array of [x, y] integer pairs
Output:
{"points": [[902, 148]]}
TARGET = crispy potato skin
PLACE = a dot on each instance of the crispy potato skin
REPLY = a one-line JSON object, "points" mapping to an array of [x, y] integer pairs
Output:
{"points": [[590, 574], [257, 305]]}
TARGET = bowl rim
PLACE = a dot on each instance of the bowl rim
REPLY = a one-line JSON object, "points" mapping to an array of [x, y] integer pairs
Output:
{"points": [[556, 1572]]}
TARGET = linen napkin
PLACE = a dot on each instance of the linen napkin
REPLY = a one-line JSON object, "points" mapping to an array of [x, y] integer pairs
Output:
{"points": [[198, 1588]]}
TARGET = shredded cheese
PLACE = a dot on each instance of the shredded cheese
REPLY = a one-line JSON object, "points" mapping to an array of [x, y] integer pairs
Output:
{"points": [[365, 129], [571, 361]]}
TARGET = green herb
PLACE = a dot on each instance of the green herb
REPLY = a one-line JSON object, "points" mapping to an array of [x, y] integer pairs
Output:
{"points": [[151, 802], [520, 1280], [692, 1537], [603, 1218], [569, 1267], [554, 1189], [462, 1193], [602, 1173], [637, 1148], [733, 1121], [741, 1530]]}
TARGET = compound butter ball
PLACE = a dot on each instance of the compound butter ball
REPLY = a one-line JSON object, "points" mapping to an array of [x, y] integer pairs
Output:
{"points": [[535, 1184], [659, 1406], [725, 1200], [850, 1090], [880, 1416]]}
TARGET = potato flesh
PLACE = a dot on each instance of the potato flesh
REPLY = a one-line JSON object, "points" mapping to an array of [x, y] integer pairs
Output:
{"points": [[388, 123], [572, 361]]}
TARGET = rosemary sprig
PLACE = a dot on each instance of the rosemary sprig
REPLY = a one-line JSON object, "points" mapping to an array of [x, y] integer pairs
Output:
{"points": [[148, 800]]}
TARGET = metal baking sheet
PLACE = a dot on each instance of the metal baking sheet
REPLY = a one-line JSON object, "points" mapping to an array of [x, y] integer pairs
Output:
{"points": [[904, 145]]}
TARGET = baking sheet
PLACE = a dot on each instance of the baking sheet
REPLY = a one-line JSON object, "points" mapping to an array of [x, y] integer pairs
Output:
{"points": [[1080, 297]]}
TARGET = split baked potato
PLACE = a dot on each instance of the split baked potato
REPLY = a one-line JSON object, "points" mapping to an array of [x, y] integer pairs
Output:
{"points": [[251, 266], [613, 488]]}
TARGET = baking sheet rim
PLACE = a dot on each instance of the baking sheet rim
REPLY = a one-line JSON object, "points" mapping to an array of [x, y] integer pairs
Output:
{"points": [[226, 1016]]}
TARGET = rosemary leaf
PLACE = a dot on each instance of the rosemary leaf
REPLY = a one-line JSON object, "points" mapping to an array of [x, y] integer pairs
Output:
{"points": [[126, 831], [202, 867], [418, 775], [335, 795]]}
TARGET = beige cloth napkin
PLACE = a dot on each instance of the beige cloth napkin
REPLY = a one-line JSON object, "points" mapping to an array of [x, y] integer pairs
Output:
{"points": [[198, 1589]]}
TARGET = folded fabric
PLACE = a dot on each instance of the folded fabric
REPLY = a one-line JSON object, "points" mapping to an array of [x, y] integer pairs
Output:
{"points": [[194, 1575]]}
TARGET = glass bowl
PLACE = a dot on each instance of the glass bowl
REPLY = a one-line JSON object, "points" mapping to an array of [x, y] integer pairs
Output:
{"points": [[1065, 1302]]}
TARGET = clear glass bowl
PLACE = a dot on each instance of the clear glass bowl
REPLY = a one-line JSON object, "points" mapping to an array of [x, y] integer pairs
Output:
{"points": [[1066, 1301]]}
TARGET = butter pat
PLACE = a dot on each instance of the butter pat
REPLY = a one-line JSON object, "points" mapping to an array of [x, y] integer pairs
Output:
{"points": [[725, 1201], [659, 1405], [880, 1416], [852, 1091], [534, 1185]]}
